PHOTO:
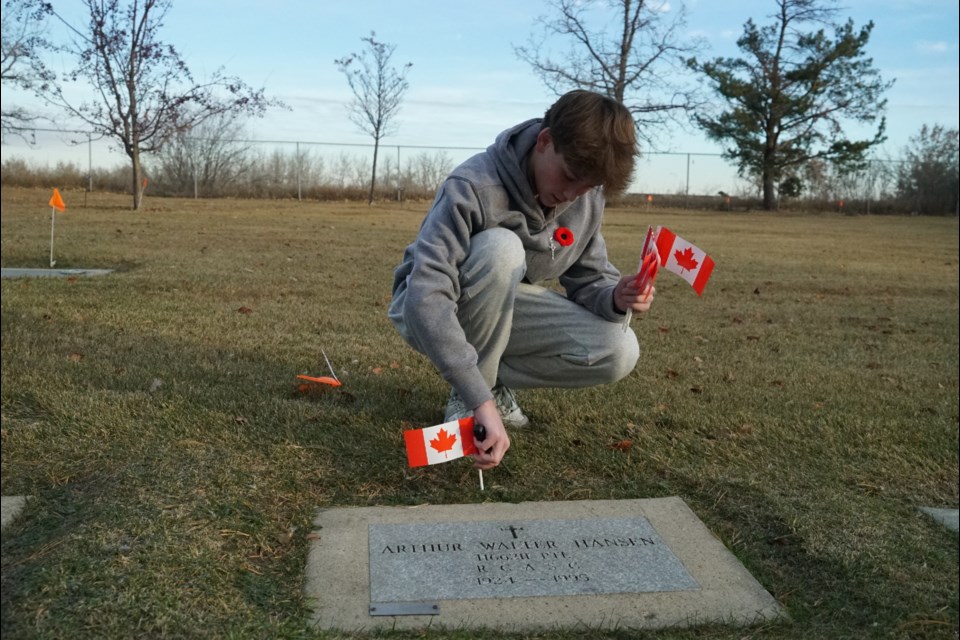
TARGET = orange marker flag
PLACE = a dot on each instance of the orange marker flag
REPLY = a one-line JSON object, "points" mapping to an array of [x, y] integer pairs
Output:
{"points": [[333, 382], [57, 202]]}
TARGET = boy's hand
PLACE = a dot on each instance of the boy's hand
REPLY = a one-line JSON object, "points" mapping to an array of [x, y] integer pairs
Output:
{"points": [[627, 296], [493, 448]]}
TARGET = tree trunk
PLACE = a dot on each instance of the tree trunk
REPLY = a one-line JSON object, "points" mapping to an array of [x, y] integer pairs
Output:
{"points": [[373, 176], [135, 158], [768, 176], [769, 195]]}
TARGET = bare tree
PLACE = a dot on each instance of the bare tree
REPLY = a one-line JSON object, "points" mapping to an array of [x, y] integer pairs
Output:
{"points": [[210, 158], [631, 50], [144, 93], [426, 172], [378, 90], [340, 171], [390, 171], [929, 176], [360, 168], [23, 38]]}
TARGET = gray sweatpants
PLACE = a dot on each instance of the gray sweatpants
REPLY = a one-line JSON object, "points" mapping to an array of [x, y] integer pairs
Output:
{"points": [[528, 336]]}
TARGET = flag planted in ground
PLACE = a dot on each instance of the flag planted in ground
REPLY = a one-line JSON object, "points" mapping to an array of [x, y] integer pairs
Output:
{"points": [[57, 202], [440, 443], [684, 258]]}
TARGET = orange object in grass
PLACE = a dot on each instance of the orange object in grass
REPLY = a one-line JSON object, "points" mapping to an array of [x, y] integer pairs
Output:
{"points": [[333, 382]]}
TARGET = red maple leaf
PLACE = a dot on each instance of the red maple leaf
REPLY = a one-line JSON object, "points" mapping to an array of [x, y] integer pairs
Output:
{"points": [[443, 442], [685, 259]]}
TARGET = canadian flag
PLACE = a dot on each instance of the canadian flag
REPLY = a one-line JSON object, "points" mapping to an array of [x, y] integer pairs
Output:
{"points": [[684, 259], [440, 443]]}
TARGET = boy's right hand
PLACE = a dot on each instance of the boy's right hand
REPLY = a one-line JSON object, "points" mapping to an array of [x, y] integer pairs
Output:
{"points": [[627, 296], [492, 449]]}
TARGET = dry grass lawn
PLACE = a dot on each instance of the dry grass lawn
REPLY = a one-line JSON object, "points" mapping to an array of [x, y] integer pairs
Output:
{"points": [[804, 408]]}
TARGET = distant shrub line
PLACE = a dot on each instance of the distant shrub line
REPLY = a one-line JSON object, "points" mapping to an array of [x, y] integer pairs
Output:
{"points": [[280, 177]]}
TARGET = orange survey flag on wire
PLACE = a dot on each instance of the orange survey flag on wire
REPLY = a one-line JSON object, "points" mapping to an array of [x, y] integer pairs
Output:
{"points": [[333, 382], [684, 259], [57, 202], [440, 443]]}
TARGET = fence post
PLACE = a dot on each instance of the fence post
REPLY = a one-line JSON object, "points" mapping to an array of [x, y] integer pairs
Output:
{"points": [[89, 162], [89, 168], [399, 187], [299, 192]]}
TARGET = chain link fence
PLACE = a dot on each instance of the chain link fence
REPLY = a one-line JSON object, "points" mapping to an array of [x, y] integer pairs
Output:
{"points": [[217, 165]]}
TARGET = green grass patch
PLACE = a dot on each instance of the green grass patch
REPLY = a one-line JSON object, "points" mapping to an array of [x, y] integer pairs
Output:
{"points": [[804, 408]]}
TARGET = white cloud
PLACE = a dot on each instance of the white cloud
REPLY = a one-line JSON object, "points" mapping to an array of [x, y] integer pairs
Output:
{"points": [[933, 48]]}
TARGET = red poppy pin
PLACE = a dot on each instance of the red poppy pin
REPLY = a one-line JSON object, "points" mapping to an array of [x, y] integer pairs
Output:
{"points": [[564, 236]]}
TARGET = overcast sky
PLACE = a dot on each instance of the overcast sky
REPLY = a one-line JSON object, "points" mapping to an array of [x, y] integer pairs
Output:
{"points": [[467, 84]]}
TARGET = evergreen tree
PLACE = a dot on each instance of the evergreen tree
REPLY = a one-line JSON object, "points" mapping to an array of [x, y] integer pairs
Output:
{"points": [[789, 94]]}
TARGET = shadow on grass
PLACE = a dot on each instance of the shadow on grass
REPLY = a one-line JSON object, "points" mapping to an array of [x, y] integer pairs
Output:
{"points": [[821, 593]]}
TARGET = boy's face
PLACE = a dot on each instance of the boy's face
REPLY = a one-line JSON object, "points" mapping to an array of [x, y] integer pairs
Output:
{"points": [[554, 183]]}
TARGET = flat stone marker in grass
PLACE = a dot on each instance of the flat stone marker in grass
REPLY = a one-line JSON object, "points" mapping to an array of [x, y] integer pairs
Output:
{"points": [[605, 564], [10, 508], [11, 272], [950, 518]]}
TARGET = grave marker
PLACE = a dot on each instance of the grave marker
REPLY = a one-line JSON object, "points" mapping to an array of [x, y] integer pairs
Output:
{"points": [[539, 565], [507, 559]]}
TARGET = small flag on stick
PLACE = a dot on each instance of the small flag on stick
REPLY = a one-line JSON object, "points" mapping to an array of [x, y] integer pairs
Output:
{"points": [[57, 202], [646, 272], [333, 382], [440, 443], [684, 259]]}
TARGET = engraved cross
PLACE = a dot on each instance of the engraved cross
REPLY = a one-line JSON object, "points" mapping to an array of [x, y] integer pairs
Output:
{"points": [[512, 529]]}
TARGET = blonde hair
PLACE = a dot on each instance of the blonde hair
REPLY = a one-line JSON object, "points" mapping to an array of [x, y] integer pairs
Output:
{"points": [[596, 136]]}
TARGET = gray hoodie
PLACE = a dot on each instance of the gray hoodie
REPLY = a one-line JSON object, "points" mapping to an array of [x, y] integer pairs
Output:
{"points": [[489, 190]]}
